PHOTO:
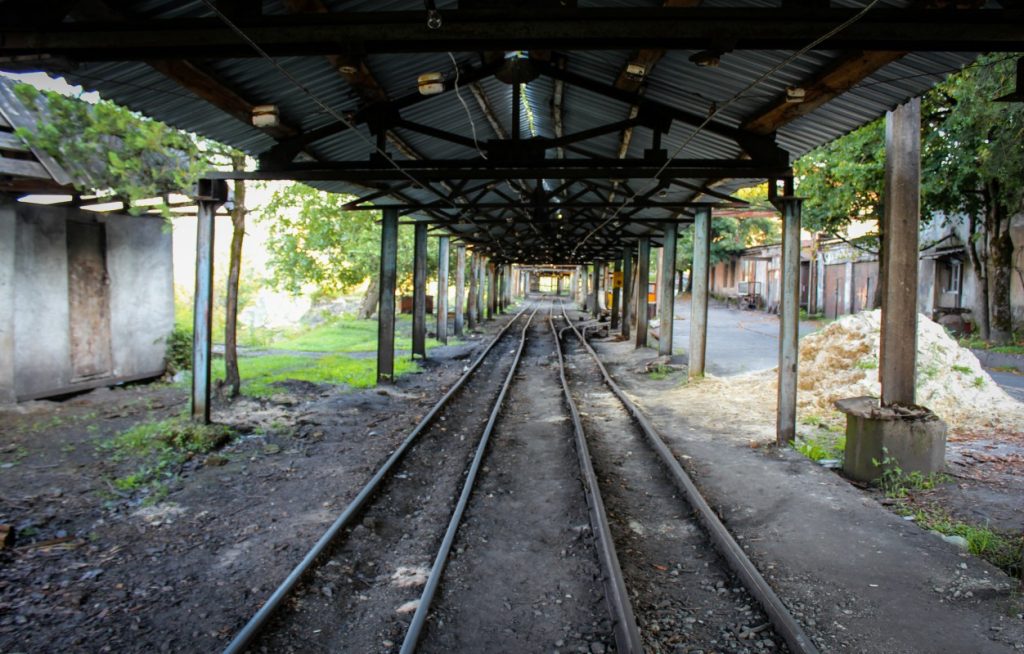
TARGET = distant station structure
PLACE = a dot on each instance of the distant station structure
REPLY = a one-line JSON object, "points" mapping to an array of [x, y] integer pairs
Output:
{"points": [[537, 133]]}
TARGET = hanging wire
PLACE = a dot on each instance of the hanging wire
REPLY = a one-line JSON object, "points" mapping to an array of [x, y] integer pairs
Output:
{"points": [[469, 114]]}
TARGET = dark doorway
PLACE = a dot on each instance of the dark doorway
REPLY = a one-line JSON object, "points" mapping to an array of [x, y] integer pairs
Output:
{"points": [[88, 301]]}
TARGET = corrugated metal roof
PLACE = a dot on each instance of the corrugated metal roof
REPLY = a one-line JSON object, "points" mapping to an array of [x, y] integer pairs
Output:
{"points": [[728, 90]]}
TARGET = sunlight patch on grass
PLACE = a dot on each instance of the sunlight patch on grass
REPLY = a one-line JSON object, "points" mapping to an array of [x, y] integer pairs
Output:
{"points": [[259, 374]]}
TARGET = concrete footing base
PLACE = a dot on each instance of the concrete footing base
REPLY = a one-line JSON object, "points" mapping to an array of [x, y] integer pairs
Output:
{"points": [[877, 438]]}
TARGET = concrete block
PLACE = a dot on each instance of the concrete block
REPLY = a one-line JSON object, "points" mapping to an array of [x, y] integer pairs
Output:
{"points": [[914, 438]]}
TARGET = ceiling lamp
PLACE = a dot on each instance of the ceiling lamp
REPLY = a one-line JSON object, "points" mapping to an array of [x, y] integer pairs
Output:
{"points": [[430, 83], [265, 115], [635, 71], [707, 58], [795, 94]]}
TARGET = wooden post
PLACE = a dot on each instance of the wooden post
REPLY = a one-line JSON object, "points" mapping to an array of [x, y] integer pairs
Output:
{"points": [[643, 272], [616, 294], [595, 306], [898, 349], [667, 291], [388, 280], [481, 295], [627, 287], [584, 297], [789, 315], [442, 289], [460, 286], [202, 317], [419, 290], [474, 291], [699, 298]]}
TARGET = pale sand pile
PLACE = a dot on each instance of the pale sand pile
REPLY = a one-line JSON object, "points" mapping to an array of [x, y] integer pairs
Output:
{"points": [[841, 361]]}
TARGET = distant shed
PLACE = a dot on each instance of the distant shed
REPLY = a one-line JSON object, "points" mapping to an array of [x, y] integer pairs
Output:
{"points": [[86, 298]]}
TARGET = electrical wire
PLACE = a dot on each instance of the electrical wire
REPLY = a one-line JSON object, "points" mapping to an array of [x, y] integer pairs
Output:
{"points": [[653, 181], [469, 114]]}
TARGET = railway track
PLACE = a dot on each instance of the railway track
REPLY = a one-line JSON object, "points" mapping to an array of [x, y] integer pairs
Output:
{"points": [[690, 581], [488, 476], [343, 593]]}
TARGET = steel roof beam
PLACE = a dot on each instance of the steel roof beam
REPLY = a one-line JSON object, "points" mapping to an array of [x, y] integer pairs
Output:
{"points": [[515, 28]]}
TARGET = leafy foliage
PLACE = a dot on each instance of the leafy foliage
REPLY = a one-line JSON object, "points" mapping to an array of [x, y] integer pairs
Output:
{"points": [[729, 235], [314, 240], [112, 148]]}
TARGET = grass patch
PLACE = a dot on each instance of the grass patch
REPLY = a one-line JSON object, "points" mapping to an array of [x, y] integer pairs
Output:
{"points": [[975, 343], [155, 451], [659, 372], [345, 334], [867, 363], [1002, 550], [964, 370], [823, 445], [259, 374]]}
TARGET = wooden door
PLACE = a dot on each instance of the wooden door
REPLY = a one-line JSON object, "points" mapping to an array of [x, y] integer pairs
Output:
{"points": [[835, 288], [88, 301]]}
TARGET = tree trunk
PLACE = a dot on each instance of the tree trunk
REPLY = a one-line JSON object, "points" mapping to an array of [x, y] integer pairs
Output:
{"points": [[981, 274], [368, 306], [232, 380], [1000, 268]]}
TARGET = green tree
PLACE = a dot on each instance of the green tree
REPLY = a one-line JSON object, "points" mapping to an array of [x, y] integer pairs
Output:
{"points": [[972, 163], [315, 240], [730, 235], [107, 148]]}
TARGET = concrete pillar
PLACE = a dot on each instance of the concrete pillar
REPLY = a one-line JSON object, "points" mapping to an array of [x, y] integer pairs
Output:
{"points": [[573, 281], [616, 294], [627, 287], [658, 281], [472, 314], [643, 271], [558, 286], [789, 315], [442, 289], [699, 298], [419, 290], [595, 304], [460, 286], [8, 232], [584, 296], [898, 353], [388, 281], [667, 291], [202, 317]]}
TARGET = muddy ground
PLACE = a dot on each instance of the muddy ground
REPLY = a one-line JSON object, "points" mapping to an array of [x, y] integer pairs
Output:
{"points": [[96, 569]]}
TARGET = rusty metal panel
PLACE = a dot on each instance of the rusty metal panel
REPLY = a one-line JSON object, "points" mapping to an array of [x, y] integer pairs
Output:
{"points": [[865, 283], [835, 283], [88, 301]]}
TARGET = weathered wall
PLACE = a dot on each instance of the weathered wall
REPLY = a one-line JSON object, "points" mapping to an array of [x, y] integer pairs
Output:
{"points": [[7, 230], [41, 341], [139, 266]]}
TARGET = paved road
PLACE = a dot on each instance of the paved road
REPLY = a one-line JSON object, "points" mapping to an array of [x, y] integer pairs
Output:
{"points": [[744, 341]]}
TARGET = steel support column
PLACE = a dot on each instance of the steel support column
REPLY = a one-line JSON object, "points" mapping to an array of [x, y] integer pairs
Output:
{"points": [[595, 292], [492, 290], [789, 314], [616, 294], [666, 303], [558, 286], [442, 289], [481, 285], [699, 299], [388, 280], [584, 296], [472, 314], [419, 290], [898, 347], [460, 286], [627, 288], [202, 317], [643, 271]]}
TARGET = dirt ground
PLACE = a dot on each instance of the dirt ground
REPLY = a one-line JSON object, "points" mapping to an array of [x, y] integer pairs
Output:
{"points": [[94, 569]]}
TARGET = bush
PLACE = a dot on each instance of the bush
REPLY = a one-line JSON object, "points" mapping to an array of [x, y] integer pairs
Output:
{"points": [[179, 349]]}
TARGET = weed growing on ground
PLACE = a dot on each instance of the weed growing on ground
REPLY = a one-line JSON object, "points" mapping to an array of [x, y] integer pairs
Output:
{"points": [[896, 484], [659, 372], [978, 382], [965, 370], [823, 445], [155, 450], [867, 363], [1003, 550]]}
